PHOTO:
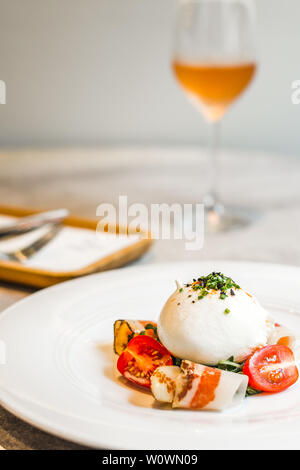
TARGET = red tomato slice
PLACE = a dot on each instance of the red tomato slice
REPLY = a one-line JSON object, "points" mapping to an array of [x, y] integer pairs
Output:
{"points": [[141, 357], [271, 369]]}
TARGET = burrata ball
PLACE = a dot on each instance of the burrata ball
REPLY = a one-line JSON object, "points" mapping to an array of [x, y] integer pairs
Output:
{"points": [[213, 328]]}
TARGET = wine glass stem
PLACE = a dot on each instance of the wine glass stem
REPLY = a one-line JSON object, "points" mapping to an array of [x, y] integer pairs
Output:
{"points": [[212, 200]]}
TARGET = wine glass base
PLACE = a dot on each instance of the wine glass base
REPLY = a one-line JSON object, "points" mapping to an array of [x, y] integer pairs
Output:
{"points": [[222, 219]]}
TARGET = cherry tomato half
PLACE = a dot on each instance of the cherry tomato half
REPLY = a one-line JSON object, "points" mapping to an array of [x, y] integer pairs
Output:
{"points": [[141, 357], [271, 369]]}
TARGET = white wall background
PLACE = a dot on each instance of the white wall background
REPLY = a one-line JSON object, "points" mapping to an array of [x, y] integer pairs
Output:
{"points": [[95, 72]]}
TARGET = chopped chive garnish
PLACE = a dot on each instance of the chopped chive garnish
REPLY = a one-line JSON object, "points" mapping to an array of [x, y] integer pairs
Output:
{"points": [[181, 289], [214, 281]]}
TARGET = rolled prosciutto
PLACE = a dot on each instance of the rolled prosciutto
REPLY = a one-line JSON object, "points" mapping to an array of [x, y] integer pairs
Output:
{"points": [[282, 335], [195, 386]]}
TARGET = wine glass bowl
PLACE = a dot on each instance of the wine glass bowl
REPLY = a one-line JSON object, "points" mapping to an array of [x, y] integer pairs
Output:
{"points": [[213, 87], [214, 61]]}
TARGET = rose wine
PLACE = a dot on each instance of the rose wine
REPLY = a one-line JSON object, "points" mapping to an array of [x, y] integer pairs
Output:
{"points": [[214, 87]]}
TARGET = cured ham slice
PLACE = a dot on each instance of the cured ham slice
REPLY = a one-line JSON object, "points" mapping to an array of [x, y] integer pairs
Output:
{"points": [[195, 386], [203, 387], [282, 335]]}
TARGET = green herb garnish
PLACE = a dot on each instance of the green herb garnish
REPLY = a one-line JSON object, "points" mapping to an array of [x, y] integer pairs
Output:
{"points": [[230, 365], [214, 281], [226, 311], [203, 293]]}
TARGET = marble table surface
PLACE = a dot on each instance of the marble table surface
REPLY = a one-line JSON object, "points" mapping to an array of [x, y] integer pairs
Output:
{"points": [[83, 178]]}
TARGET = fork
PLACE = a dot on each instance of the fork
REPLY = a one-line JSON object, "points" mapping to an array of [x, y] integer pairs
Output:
{"points": [[22, 254], [30, 223]]}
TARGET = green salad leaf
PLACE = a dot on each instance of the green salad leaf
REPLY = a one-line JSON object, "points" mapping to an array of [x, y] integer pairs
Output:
{"points": [[237, 368]]}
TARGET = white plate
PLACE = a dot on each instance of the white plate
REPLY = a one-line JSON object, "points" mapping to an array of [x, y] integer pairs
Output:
{"points": [[60, 376]]}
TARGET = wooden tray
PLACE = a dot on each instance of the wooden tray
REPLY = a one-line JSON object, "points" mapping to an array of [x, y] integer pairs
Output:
{"points": [[17, 273]]}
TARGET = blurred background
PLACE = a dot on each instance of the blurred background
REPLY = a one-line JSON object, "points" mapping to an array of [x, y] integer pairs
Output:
{"points": [[97, 72]]}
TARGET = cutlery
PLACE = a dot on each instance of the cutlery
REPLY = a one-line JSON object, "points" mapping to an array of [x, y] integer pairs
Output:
{"points": [[25, 252], [32, 222]]}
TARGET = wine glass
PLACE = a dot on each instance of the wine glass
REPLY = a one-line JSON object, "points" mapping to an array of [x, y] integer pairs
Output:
{"points": [[214, 60]]}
